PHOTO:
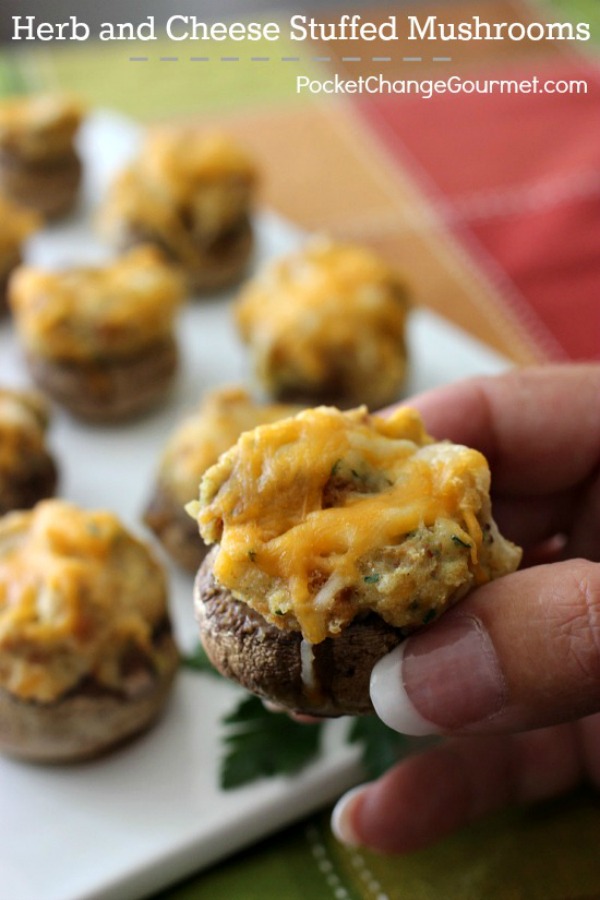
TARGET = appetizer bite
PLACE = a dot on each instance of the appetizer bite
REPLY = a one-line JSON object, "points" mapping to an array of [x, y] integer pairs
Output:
{"points": [[87, 657], [338, 534], [16, 224], [100, 340], [327, 325], [194, 446], [39, 164], [191, 194], [28, 472]]}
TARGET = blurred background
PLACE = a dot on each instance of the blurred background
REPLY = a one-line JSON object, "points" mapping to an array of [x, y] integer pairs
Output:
{"points": [[487, 202]]}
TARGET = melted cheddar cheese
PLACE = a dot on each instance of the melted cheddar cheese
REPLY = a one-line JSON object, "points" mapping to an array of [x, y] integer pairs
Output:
{"points": [[77, 594], [185, 160], [328, 515], [212, 429], [96, 312], [39, 127], [23, 423], [328, 312]]}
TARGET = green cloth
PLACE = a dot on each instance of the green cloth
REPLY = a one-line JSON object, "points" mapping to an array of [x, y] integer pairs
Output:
{"points": [[549, 852]]}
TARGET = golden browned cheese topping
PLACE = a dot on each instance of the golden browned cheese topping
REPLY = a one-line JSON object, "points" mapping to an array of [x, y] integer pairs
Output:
{"points": [[97, 312], [186, 160], [16, 225], [23, 423], [202, 436], [39, 127], [186, 188], [329, 515], [328, 298], [78, 596]]}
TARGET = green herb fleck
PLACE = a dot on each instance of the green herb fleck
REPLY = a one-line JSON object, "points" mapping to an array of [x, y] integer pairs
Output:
{"points": [[381, 747], [461, 543], [260, 744], [252, 555], [336, 467], [372, 579], [279, 612], [429, 616]]}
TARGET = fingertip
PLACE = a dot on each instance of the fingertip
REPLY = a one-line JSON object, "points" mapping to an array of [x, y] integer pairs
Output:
{"points": [[409, 807], [390, 699], [343, 817]]}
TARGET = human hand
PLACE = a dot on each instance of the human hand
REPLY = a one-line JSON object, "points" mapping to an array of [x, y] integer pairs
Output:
{"points": [[512, 673]]}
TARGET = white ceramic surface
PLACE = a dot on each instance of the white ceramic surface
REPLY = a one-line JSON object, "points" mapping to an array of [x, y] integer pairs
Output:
{"points": [[126, 825]]}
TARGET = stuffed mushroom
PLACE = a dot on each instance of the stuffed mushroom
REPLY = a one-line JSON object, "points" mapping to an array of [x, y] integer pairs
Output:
{"points": [[87, 656], [327, 324], [336, 535], [191, 194], [100, 340], [40, 166]]}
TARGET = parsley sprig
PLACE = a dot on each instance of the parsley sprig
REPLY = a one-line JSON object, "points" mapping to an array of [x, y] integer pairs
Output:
{"points": [[260, 744]]}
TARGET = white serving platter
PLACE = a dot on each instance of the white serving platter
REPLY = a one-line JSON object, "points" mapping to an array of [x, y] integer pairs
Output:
{"points": [[152, 812]]}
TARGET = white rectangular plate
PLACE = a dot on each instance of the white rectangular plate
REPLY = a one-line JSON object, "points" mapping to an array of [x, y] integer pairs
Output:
{"points": [[126, 825]]}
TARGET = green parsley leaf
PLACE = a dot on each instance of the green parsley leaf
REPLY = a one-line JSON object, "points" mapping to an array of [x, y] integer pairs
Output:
{"points": [[381, 746], [260, 744], [461, 543]]}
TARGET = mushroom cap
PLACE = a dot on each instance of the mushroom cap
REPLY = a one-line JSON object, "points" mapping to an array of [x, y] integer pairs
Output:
{"points": [[327, 679], [109, 391], [89, 720]]}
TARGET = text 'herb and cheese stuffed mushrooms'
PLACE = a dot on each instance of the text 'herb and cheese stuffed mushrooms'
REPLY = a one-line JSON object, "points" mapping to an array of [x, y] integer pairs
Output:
{"points": [[100, 339], [338, 533], [191, 194], [327, 325], [39, 163], [87, 657]]}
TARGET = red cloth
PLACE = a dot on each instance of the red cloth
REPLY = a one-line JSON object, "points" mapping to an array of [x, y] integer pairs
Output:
{"points": [[517, 178]]}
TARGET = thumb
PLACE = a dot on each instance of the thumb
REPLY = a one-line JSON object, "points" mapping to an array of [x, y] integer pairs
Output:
{"points": [[521, 652]]}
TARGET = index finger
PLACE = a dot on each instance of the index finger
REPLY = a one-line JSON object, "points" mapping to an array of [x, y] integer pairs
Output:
{"points": [[539, 427]]}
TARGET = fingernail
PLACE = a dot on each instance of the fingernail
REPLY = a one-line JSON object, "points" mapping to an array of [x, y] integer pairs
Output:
{"points": [[444, 679], [342, 820]]}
